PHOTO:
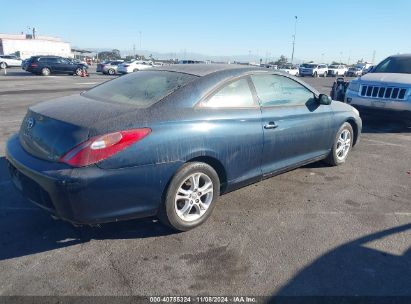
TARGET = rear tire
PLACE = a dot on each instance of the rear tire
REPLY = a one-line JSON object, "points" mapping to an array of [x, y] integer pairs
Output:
{"points": [[135, 70], [111, 72], [315, 75], [3, 65], [45, 71], [190, 197], [79, 71], [325, 75], [342, 145]]}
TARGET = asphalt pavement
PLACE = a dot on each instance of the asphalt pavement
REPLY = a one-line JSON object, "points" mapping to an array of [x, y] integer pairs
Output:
{"points": [[316, 230]]}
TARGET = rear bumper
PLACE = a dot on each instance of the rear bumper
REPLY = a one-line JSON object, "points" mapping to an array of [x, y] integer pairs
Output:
{"points": [[88, 195]]}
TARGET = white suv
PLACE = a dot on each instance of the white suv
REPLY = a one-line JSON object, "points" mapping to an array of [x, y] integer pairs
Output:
{"points": [[337, 70], [134, 66], [313, 69], [387, 88], [9, 61]]}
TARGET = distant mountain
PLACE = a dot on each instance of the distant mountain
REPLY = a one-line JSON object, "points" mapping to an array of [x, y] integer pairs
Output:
{"points": [[192, 56]]}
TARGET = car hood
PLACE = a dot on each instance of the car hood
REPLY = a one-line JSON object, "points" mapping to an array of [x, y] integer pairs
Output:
{"points": [[394, 78]]}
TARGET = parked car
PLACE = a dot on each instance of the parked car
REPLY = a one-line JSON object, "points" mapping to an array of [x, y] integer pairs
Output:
{"points": [[290, 69], [385, 90], [134, 66], [46, 65], [99, 67], [169, 141], [354, 72], [337, 70], [314, 70], [111, 67], [8, 61], [190, 62], [367, 70]]}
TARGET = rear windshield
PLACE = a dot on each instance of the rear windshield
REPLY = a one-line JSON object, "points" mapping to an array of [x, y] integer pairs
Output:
{"points": [[310, 66], [394, 65], [141, 89]]}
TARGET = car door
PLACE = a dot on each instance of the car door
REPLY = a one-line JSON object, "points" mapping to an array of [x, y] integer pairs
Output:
{"points": [[233, 116], [65, 66], [296, 127], [53, 64]]}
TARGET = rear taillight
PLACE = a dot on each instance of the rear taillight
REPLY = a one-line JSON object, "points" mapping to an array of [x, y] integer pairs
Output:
{"points": [[33, 65], [101, 147]]}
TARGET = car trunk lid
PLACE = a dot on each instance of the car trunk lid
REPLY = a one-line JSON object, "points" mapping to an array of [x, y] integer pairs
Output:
{"points": [[52, 128]]}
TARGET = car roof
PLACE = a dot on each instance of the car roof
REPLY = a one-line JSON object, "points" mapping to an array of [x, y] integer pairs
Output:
{"points": [[401, 55], [206, 69]]}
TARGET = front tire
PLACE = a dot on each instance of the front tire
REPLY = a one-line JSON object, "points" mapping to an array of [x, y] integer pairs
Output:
{"points": [[190, 197], [342, 145], [315, 75], [3, 65], [111, 72]]}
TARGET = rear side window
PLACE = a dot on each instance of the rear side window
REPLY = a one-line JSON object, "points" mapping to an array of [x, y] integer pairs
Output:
{"points": [[51, 60], [276, 90], [237, 94], [141, 89]]}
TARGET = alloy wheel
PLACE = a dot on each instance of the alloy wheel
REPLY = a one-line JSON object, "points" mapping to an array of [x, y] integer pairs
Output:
{"points": [[343, 144], [194, 197]]}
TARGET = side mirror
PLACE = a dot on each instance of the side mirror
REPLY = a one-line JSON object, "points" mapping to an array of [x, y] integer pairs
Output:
{"points": [[324, 99]]}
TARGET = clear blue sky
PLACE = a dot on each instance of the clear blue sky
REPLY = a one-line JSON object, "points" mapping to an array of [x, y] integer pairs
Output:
{"points": [[345, 28]]}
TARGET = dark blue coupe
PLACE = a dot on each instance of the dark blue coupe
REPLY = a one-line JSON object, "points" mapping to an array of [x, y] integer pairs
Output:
{"points": [[168, 141]]}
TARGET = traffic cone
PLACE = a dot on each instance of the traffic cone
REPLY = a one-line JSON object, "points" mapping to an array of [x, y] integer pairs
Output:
{"points": [[84, 73]]}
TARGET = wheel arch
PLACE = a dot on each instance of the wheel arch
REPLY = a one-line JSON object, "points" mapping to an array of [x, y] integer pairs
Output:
{"points": [[354, 126], [216, 165]]}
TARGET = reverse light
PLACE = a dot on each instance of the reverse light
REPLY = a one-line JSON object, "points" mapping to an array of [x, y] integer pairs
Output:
{"points": [[102, 147]]}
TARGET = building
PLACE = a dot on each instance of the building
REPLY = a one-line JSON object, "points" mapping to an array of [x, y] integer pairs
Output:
{"points": [[26, 46]]}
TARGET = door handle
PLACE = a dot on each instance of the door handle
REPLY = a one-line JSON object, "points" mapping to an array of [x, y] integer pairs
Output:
{"points": [[270, 125]]}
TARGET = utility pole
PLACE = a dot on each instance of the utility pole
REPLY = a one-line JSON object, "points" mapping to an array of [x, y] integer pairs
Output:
{"points": [[140, 39], [134, 51], [295, 33]]}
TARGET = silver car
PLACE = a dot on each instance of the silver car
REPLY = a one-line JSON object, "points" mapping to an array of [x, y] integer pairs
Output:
{"points": [[111, 67], [386, 88]]}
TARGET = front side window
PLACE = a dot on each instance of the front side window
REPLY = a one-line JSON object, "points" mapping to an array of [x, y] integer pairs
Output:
{"points": [[237, 94], [276, 90], [140, 89]]}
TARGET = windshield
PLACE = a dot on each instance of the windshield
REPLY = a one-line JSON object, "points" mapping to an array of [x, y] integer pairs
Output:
{"points": [[333, 66], [310, 66], [394, 65], [141, 89]]}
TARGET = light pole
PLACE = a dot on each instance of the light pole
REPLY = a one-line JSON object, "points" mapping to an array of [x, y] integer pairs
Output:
{"points": [[295, 33], [140, 39]]}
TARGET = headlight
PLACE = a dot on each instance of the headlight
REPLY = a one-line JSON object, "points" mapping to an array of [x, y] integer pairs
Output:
{"points": [[354, 86]]}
